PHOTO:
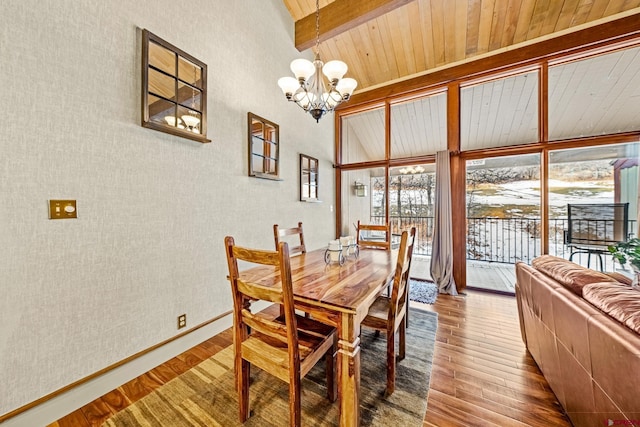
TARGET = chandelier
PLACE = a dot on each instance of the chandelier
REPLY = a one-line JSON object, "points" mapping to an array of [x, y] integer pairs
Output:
{"points": [[308, 88], [411, 170]]}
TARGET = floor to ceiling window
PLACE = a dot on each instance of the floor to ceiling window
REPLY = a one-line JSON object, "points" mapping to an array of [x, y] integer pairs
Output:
{"points": [[503, 193], [572, 121], [597, 95]]}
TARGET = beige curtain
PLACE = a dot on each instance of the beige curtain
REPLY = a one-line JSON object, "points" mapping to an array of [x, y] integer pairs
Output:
{"points": [[442, 247]]}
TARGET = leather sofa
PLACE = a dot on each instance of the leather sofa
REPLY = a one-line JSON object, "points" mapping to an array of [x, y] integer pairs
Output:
{"points": [[582, 328]]}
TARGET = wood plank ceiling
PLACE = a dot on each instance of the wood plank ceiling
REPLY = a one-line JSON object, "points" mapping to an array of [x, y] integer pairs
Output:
{"points": [[383, 41], [386, 41]]}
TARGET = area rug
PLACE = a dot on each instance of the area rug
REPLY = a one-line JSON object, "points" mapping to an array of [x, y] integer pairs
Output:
{"points": [[205, 395], [423, 291]]}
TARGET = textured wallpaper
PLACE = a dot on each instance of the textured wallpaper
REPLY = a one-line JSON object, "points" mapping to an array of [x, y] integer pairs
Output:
{"points": [[153, 209]]}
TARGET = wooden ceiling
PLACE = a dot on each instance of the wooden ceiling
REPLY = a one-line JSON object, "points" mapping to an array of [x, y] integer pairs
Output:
{"points": [[384, 41]]}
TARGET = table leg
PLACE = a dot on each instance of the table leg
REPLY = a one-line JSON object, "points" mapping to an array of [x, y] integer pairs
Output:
{"points": [[349, 370]]}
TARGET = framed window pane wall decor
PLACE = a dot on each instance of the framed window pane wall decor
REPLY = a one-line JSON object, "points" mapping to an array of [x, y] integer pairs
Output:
{"points": [[174, 90], [264, 148], [308, 179]]}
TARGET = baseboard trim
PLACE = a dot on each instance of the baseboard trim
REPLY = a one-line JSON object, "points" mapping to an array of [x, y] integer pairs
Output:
{"points": [[49, 397]]}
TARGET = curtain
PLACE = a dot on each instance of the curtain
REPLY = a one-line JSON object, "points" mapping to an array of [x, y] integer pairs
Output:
{"points": [[442, 247]]}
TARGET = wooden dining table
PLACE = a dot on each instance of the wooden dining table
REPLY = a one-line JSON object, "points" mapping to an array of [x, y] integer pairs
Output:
{"points": [[339, 295]]}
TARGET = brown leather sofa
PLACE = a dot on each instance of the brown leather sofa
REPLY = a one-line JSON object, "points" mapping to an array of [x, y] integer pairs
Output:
{"points": [[582, 328]]}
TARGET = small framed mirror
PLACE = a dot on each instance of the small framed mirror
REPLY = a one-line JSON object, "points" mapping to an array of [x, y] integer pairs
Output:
{"points": [[174, 90], [264, 148], [308, 179]]}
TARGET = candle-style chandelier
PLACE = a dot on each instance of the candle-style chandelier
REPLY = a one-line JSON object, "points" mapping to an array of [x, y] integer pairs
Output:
{"points": [[308, 88]]}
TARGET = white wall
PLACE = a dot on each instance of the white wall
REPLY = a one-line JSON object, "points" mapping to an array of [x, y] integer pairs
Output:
{"points": [[153, 209]]}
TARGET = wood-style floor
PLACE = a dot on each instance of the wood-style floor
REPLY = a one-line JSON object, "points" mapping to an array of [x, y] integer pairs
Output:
{"points": [[482, 374]]}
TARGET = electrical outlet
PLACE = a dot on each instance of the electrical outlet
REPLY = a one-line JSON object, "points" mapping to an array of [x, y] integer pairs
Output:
{"points": [[182, 321]]}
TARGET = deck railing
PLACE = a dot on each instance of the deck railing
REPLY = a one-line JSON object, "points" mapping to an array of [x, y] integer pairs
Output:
{"points": [[506, 240]]}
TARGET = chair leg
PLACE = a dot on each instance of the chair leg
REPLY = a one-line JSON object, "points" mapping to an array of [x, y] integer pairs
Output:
{"points": [[406, 312], [391, 364], [403, 338], [295, 408], [330, 368], [243, 390]]}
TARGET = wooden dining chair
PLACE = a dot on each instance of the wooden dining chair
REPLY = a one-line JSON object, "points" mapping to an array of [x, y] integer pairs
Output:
{"points": [[286, 347], [388, 313], [374, 236], [279, 233]]}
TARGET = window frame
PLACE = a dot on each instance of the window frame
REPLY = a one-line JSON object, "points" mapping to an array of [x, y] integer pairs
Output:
{"points": [[310, 171], [270, 143], [146, 118]]}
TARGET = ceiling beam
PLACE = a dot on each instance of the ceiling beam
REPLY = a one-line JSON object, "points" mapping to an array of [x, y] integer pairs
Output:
{"points": [[340, 16]]}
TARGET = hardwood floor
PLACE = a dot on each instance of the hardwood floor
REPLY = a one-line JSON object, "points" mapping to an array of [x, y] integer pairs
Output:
{"points": [[482, 374]]}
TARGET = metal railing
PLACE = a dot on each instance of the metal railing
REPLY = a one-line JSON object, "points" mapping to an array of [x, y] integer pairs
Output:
{"points": [[505, 240]]}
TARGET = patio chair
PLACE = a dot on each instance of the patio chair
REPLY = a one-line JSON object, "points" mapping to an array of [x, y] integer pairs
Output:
{"points": [[288, 348], [593, 227], [389, 313]]}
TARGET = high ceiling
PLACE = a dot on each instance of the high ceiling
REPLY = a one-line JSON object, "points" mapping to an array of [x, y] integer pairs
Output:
{"points": [[383, 41]]}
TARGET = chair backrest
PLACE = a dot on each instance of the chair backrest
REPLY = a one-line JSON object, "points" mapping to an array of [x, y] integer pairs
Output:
{"points": [[279, 233], [374, 236], [597, 224], [245, 292], [403, 266]]}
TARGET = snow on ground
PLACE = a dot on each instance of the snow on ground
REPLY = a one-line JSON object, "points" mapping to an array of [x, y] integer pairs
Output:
{"points": [[528, 193]]}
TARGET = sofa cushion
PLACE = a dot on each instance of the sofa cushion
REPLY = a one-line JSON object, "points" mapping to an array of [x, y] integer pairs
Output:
{"points": [[570, 275], [618, 301], [619, 277]]}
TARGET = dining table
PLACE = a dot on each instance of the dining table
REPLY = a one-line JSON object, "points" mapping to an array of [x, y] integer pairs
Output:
{"points": [[339, 295]]}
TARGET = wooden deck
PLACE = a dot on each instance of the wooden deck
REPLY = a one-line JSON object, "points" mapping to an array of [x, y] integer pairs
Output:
{"points": [[493, 276]]}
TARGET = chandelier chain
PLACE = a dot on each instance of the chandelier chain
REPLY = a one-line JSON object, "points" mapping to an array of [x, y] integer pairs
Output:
{"points": [[317, 27]]}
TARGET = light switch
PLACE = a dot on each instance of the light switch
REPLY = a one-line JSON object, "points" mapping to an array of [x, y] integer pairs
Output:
{"points": [[62, 209]]}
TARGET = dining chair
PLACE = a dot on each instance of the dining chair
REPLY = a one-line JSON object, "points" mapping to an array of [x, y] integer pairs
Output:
{"points": [[374, 236], [279, 233], [388, 313], [286, 347], [282, 233]]}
